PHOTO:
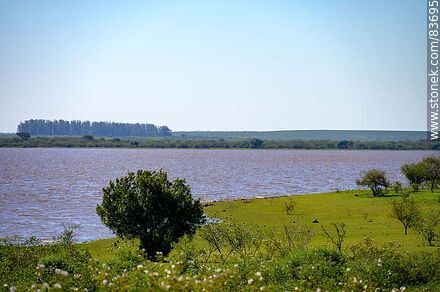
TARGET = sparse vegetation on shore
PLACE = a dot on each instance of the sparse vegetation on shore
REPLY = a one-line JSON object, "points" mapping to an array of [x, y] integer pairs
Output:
{"points": [[88, 141]]}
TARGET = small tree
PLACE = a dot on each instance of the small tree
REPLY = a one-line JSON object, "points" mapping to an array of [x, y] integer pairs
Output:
{"points": [[338, 238], [289, 207], [147, 206], [428, 226], [376, 180], [406, 211], [431, 166], [396, 186], [414, 173]]}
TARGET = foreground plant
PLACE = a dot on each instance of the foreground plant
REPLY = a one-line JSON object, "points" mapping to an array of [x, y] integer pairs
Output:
{"points": [[146, 205]]}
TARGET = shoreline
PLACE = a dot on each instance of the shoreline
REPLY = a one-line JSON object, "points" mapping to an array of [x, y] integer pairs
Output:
{"points": [[212, 143], [213, 148]]}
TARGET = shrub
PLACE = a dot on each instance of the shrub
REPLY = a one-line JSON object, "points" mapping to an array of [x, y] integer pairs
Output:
{"points": [[376, 180], [230, 240], [377, 266], [316, 269], [292, 237], [405, 193], [67, 236], [289, 207], [147, 206], [396, 186], [339, 235]]}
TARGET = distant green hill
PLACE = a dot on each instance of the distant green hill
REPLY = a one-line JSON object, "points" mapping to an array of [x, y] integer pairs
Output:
{"points": [[307, 135]]}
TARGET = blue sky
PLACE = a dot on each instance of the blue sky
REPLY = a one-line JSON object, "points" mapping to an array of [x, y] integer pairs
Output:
{"points": [[215, 65]]}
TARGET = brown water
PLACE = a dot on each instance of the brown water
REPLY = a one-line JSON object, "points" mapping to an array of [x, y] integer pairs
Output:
{"points": [[42, 189]]}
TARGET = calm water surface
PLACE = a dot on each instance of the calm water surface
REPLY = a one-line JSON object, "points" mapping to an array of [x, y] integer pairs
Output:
{"points": [[43, 189]]}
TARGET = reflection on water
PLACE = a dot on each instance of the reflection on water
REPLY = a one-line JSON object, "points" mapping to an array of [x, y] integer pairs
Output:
{"points": [[42, 189]]}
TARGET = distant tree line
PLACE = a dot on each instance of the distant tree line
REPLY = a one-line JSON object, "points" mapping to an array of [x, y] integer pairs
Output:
{"points": [[79, 128]]}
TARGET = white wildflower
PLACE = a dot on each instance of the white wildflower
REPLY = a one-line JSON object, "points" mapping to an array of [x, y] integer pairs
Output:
{"points": [[61, 272], [57, 286], [250, 281], [105, 282]]}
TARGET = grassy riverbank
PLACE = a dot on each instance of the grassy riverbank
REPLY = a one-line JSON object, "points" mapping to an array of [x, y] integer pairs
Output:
{"points": [[407, 261], [364, 216]]}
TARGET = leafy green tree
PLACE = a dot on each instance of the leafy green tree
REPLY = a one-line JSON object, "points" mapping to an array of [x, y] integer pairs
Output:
{"points": [[414, 173], [146, 205], [432, 170], [376, 180], [406, 211]]}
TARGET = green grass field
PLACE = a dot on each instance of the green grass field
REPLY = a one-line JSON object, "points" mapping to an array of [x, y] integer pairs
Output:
{"points": [[363, 215]]}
